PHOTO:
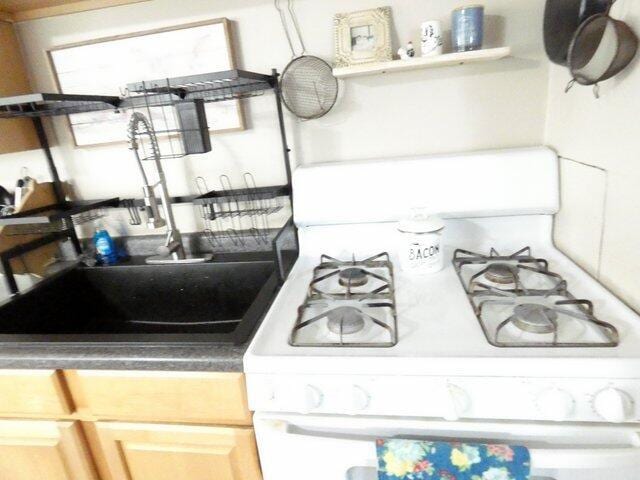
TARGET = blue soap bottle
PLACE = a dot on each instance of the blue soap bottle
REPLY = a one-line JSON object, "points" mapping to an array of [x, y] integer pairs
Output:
{"points": [[105, 247]]}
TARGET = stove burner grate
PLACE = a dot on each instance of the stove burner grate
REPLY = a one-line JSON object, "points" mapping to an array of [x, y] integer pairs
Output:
{"points": [[505, 280], [348, 316]]}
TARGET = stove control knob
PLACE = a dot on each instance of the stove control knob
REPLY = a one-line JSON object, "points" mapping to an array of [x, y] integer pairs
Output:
{"points": [[460, 398], [555, 404], [313, 397], [360, 398], [613, 405]]}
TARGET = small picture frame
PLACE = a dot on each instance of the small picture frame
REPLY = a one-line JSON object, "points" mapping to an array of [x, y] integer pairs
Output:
{"points": [[363, 37]]}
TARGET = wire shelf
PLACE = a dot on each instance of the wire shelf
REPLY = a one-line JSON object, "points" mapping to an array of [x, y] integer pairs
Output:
{"points": [[228, 212], [242, 194], [52, 104], [248, 212], [55, 218], [210, 87]]}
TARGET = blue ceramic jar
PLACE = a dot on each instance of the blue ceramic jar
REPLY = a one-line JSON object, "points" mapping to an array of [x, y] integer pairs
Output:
{"points": [[467, 28]]}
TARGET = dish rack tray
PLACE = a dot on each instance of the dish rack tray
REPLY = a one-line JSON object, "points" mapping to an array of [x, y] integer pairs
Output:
{"points": [[55, 218]]}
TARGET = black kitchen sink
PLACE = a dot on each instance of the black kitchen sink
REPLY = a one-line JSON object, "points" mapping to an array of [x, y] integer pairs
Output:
{"points": [[210, 302]]}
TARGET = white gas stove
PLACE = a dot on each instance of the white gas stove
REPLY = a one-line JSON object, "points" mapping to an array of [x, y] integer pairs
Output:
{"points": [[510, 330]]}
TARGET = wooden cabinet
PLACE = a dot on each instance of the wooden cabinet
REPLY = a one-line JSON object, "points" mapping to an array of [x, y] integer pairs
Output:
{"points": [[40, 449], [18, 134], [138, 451], [192, 397], [89, 431], [33, 392]]}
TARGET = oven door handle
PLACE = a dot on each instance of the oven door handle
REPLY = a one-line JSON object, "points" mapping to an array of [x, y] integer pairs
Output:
{"points": [[541, 458]]}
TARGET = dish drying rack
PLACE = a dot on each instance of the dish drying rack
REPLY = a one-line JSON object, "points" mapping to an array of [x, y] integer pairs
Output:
{"points": [[178, 103], [233, 213]]}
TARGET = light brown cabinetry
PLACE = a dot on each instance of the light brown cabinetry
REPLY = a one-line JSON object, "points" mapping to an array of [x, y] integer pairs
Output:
{"points": [[20, 10], [33, 392], [41, 449], [18, 134], [138, 451], [197, 426], [191, 397]]}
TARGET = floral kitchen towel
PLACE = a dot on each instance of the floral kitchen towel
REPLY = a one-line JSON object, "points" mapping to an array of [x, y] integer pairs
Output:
{"points": [[421, 460]]}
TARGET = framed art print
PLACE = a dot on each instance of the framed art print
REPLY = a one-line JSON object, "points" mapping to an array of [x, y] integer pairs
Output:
{"points": [[105, 66], [363, 37]]}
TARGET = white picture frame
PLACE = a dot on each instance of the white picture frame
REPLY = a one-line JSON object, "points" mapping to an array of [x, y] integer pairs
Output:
{"points": [[363, 37], [105, 66]]}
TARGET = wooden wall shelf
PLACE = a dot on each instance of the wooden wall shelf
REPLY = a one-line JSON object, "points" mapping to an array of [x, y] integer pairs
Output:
{"points": [[21, 10], [418, 63]]}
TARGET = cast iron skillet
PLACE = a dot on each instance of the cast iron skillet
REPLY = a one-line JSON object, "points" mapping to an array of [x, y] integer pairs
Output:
{"points": [[561, 20]]}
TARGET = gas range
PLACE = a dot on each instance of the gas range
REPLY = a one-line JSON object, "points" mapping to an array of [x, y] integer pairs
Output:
{"points": [[462, 334]]}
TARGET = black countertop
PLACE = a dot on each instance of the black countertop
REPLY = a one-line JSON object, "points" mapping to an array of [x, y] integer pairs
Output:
{"points": [[202, 357]]}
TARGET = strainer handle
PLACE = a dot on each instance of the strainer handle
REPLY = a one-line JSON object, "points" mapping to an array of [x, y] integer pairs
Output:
{"points": [[294, 19]]}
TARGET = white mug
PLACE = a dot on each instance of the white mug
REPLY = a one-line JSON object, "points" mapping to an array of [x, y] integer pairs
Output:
{"points": [[431, 37]]}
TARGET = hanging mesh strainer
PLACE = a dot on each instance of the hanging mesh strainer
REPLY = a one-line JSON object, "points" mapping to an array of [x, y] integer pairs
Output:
{"points": [[309, 89]]}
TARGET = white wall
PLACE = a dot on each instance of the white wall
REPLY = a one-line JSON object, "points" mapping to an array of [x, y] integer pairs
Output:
{"points": [[493, 105], [599, 225]]}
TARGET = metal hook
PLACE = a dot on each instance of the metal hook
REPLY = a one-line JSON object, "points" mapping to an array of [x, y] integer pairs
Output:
{"points": [[570, 85]]}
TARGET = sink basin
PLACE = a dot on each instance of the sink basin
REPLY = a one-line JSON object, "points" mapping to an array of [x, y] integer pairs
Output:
{"points": [[210, 302]]}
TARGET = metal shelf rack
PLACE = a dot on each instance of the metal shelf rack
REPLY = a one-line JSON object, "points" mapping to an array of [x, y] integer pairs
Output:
{"points": [[209, 87], [52, 104], [52, 213], [242, 195]]}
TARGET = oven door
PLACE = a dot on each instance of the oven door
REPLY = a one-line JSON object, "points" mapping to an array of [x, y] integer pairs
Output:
{"points": [[343, 448]]}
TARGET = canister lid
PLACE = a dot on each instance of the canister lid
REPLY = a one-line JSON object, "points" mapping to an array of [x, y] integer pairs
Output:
{"points": [[421, 224], [468, 7]]}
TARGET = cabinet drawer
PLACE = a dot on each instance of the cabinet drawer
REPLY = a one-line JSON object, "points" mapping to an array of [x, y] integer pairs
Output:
{"points": [[218, 398], [33, 392]]}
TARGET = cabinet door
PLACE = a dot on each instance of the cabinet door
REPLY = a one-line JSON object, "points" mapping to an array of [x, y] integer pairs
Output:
{"points": [[16, 135], [134, 451], [37, 450]]}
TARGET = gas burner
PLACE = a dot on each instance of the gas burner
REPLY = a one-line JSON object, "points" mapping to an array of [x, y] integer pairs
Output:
{"points": [[535, 318], [501, 273], [345, 320], [519, 272], [354, 277], [520, 303], [349, 304]]}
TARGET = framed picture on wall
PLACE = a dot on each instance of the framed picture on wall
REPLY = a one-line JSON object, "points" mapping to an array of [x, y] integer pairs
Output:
{"points": [[363, 37], [105, 66]]}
